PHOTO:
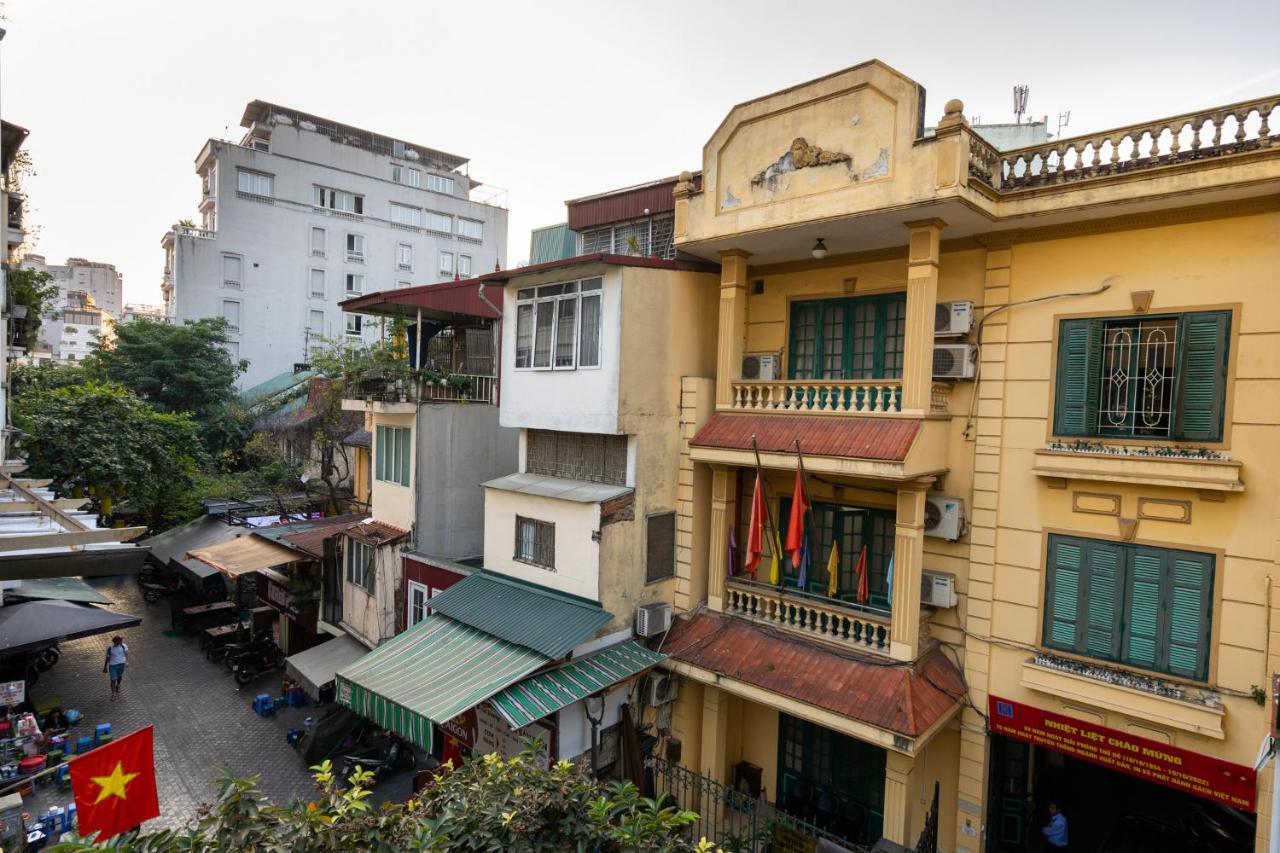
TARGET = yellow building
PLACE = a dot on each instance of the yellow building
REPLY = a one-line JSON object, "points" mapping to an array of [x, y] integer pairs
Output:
{"points": [[1029, 389]]}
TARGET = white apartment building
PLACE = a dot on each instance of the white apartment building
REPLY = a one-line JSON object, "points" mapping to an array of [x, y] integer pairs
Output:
{"points": [[90, 301], [139, 311], [305, 212]]}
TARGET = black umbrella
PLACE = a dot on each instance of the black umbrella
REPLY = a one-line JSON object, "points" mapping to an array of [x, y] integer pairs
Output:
{"points": [[33, 624]]}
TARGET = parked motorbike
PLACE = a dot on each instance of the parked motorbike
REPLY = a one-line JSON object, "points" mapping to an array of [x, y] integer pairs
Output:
{"points": [[252, 664], [45, 658], [258, 643], [152, 576], [153, 591], [384, 757]]}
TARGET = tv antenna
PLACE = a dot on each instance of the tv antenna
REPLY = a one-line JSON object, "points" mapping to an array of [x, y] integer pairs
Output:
{"points": [[1064, 119], [1020, 94]]}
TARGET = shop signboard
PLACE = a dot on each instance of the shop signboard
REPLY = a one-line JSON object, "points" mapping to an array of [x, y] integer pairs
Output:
{"points": [[494, 735], [1180, 769], [13, 692]]}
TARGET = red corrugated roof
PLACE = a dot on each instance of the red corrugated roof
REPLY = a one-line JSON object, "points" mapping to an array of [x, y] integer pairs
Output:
{"points": [[886, 439], [375, 532], [311, 541], [447, 297], [900, 698], [602, 258]]}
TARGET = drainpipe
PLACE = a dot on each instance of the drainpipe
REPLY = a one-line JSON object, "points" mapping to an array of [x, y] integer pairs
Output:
{"points": [[486, 301]]}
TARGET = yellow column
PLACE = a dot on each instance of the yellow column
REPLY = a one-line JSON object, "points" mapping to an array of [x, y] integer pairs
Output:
{"points": [[922, 299], [733, 316], [899, 787], [715, 732], [908, 561], [722, 501]]}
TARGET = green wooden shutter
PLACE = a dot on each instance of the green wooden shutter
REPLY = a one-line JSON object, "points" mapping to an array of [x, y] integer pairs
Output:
{"points": [[1189, 601], [1202, 375], [402, 442], [1066, 564], [1103, 599], [380, 438], [1079, 362], [1142, 608]]}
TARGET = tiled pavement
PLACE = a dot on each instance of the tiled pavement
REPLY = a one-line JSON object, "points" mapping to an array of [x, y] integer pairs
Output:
{"points": [[202, 721]]}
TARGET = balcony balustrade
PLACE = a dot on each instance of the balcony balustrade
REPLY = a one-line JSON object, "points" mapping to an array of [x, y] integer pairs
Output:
{"points": [[455, 388], [819, 396], [812, 616], [192, 231]]}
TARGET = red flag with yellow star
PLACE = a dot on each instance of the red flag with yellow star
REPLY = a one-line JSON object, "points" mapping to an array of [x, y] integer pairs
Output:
{"points": [[115, 786]]}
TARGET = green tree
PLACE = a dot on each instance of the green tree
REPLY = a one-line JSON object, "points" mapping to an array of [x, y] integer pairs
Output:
{"points": [[45, 375], [180, 369], [35, 290], [488, 804], [101, 440]]}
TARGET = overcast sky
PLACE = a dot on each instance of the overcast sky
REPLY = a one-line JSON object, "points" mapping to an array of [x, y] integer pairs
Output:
{"points": [[550, 100]]}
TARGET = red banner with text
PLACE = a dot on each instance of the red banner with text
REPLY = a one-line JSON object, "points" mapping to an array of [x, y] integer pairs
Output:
{"points": [[1181, 769]]}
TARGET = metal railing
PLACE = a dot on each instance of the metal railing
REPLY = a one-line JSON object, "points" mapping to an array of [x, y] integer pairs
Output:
{"points": [[732, 819], [455, 388]]}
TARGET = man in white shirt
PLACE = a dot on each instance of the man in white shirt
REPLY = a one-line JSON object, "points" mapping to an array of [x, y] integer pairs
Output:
{"points": [[117, 658]]}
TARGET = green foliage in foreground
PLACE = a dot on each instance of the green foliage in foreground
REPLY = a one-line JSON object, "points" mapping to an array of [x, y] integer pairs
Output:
{"points": [[489, 804]]}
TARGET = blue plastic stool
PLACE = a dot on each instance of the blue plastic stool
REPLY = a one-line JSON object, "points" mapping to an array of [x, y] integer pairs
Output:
{"points": [[264, 705], [84, 744], [102, 729]]}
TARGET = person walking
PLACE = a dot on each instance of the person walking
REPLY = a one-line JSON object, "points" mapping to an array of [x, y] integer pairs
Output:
{"points": [[117, 658], [1055, 833]]}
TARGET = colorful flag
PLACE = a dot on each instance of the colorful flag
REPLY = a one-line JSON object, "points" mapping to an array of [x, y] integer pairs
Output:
{"points": [[115, 786], [863, 586], [733, 551], [755, 531], [833, 572], [802, 571], [888, 580], [775, 566], [795, 527]]}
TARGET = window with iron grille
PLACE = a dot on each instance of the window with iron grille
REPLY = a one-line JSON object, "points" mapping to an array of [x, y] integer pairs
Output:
{"points": [[577, 456], [648, 236], [1143, 377], [660, 546], [535, 542]]}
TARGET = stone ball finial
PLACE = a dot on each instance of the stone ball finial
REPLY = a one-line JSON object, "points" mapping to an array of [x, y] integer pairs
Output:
{"points": [[954, 107], [685, 177]]}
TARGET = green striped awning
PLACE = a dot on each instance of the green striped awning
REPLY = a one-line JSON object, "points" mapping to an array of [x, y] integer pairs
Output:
{"points": [[432, 672], [547, 692]]}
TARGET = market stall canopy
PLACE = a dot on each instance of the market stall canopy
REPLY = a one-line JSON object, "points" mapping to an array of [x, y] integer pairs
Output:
{"points": [[60, 589], [544, 693], [315, 667], [201, 532], [33, 624], [246, 554], [432, 672]]}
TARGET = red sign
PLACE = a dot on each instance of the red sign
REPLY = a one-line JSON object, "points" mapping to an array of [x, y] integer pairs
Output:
{"points": [[1181, 769]]}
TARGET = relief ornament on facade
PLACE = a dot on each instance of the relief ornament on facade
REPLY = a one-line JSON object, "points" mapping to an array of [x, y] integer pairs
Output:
{"points": [[801, 155]]}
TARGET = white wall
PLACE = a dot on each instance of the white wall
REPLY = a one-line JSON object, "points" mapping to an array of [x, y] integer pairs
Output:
{"points": [[274, 241], [372, 617], [577, 555], [392, 502], [580, 400], [575, 729]]}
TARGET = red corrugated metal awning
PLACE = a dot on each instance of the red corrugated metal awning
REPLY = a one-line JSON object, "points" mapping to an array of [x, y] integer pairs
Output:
{"points": [[444, 300], [899, 698], [886, 439]]}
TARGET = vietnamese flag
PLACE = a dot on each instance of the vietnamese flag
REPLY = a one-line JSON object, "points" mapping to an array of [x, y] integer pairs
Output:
{"points": [[863, 581], [755, 531], [795, 528], [115, 786]]}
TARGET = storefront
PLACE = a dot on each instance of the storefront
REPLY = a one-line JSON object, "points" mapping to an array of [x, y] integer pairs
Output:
{"points": [[1116, 789], [830, 780], [294, 598], [481, 730]]}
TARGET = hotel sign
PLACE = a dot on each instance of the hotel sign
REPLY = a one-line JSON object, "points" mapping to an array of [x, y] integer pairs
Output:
{"points": [[1180, 769]]}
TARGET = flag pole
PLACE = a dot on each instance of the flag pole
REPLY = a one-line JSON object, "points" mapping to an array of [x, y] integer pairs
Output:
{"points": [[808, 509], [768, 510]]}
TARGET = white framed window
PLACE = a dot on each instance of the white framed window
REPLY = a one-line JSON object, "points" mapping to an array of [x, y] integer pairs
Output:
{"points": [[233, 272], [392, 452], [558, 325], [418, 597], [470, 229], [316, 284], [339, 200], [231, 313], [464, 266], [446, 263], [315, 321], [355, 247], [439, 222], [413, 177], [361, 567], [318, 240], [254, 183], [439, 184], [355, 284], [397, 173], [404, 256], [403, 214], [354, 325]]}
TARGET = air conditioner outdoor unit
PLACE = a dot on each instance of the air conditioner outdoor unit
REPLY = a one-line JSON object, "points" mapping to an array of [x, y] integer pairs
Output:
{"points": [[938, 589], [661, 688], [943, 517], [953, 318], [955, 361], [762, 366], [653, 619]]}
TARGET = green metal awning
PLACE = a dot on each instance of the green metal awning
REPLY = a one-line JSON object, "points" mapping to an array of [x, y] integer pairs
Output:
{"points": [[547, 692], [432, 672], [62, 589]]}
